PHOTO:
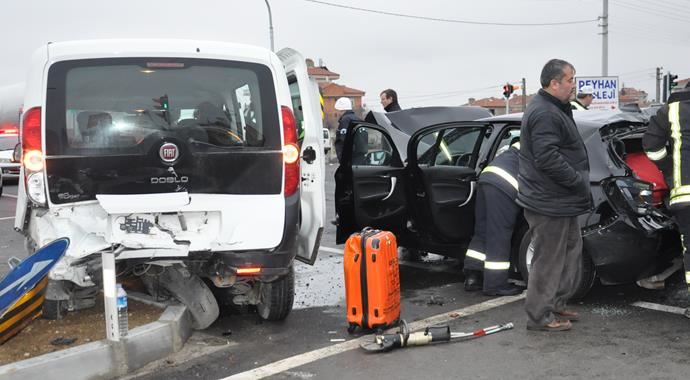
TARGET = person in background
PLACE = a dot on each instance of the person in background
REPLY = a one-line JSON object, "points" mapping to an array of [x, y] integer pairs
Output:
{"points": [[583, 99], [389, 100], [553, 189], [346, 116]]}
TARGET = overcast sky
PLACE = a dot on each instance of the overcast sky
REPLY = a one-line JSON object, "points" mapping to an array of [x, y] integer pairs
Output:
{"points": [[427, 62]]}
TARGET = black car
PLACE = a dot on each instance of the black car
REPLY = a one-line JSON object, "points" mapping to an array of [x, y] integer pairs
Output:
{"points": [[418, 174]]}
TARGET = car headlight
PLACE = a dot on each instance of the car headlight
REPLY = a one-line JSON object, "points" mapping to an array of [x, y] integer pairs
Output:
{"points": [[5, 161]]}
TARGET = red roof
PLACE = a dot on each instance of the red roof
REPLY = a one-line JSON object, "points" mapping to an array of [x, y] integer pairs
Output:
{"points": [[493, 102], [332, 90], [322, 72]]}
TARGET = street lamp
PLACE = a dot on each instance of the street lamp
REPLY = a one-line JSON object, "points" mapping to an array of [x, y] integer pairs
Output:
{"points": [[270, 23]]}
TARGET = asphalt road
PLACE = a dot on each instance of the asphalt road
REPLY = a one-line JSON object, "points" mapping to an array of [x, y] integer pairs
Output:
{"points": [[614, 339]]}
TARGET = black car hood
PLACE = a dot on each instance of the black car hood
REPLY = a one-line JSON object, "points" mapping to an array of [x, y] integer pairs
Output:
{"points": [[411, 120]]}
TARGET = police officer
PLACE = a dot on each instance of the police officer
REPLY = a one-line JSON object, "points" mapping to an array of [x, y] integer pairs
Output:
{"points": [[665, 143], [496, 213], [583, 99], [360, 143]]}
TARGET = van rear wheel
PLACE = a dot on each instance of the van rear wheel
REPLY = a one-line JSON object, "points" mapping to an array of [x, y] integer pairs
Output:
{"points": [[276, 297]]}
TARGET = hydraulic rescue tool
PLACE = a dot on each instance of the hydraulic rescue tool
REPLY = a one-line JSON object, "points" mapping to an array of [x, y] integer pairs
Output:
{"points": [[432, 334]]}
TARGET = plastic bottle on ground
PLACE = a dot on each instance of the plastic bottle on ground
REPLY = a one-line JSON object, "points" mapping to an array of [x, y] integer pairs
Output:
{"points": [[122, 310]]}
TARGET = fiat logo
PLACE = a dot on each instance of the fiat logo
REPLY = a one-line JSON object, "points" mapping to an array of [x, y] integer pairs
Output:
{"points": [[169, 152]]}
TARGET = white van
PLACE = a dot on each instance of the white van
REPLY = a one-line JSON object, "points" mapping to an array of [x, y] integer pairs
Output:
{"points": [[182, 157]]}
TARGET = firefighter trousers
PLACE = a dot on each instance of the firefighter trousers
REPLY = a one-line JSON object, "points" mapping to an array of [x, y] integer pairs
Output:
{"points": [[489, 251], [683, 219]]}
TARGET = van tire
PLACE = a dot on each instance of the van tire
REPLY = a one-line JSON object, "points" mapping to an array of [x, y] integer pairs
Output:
{"points": [[587, 267], [191, 290], [276, 297]]}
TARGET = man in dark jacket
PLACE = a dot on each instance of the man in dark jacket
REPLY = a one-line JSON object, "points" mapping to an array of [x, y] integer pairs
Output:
{"points": [[389, 100], [553, 184], [360, 142], [487, 259], [668, 131]]}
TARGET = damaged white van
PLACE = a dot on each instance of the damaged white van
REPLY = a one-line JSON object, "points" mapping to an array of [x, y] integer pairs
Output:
{"points": [[182, 158]]}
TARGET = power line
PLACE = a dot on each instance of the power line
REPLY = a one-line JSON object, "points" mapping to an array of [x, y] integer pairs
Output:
{"points": [[454, 21], [678, 9], [648, 11]]}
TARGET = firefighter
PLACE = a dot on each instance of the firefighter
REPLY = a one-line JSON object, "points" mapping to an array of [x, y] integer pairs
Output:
{"points": [[665, 143], [583, 99], [487, 259]]}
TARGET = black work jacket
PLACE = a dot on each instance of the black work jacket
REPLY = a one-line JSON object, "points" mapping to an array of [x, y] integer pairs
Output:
{"points": [[660, 143], [502, 172], [553, 176], [344, 122]]}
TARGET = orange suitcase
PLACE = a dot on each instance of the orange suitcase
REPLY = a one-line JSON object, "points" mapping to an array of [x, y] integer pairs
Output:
{"points": [[372, 280]]}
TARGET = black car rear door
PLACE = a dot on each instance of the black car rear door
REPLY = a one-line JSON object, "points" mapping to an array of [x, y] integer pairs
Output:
{"points": [[442, 162], [370, 183]]}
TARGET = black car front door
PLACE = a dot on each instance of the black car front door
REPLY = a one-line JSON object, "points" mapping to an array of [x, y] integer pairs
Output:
{"points": [[442, 162], [370, 183]]}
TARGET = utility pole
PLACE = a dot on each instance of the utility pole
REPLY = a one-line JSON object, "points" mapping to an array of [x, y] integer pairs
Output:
{"points": [[524, 95], [658, 84], [605, 40], [665, 87], [270, 24], [507, 105]]}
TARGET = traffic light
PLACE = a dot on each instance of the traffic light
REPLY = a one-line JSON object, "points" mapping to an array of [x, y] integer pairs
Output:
{"points": [[672, 81], [161, 103], [507, 90]]}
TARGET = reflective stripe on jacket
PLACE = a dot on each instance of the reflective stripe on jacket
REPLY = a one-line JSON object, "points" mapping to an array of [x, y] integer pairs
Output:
{"points": [[502, 172], [577, 106], [667, 143]]}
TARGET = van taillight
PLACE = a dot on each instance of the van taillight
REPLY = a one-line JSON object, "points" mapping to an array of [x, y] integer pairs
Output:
{"points": [[31, 131], [290, 151], [32, 155]]}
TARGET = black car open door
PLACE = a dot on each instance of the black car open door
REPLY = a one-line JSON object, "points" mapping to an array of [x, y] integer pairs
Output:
{"points": [[370, 183], [442, 161]]}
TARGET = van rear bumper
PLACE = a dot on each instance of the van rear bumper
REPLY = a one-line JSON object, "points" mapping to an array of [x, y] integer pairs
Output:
{"points": [[273, 262]]}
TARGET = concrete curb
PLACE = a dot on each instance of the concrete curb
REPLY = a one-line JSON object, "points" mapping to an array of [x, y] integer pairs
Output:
{"points": [[107, 360]]}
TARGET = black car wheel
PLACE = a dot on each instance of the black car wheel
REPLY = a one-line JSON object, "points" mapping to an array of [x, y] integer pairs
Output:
{"points": [[526, 254]]}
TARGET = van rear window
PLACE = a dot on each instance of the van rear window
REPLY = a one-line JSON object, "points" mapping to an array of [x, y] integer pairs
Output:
{"points": [[119, 105]]}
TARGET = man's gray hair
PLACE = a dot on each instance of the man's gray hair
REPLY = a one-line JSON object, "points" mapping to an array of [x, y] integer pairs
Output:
{"points": [[554, 69]]}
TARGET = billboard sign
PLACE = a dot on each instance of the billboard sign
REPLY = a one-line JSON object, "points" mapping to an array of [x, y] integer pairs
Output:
{"points": [[606, 91]]}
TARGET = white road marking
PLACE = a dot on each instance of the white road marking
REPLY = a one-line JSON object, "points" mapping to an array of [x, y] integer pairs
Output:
{"points": [[322, 353], [659, 307], [7, 218], [9, 195], [331, 250]]}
